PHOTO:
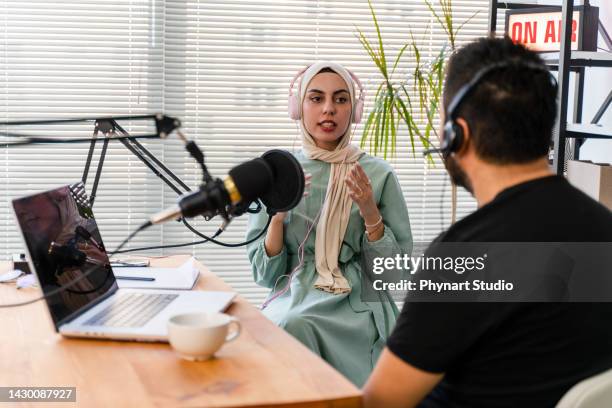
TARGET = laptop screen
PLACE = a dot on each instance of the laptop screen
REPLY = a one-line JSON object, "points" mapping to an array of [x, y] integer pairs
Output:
{"points": [[64, 242]]}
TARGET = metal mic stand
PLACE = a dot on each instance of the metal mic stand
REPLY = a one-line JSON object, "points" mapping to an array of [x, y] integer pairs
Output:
{"points": [[108, 127]]}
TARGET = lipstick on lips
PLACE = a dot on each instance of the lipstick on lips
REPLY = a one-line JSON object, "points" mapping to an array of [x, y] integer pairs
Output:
{"points": [[328, 125]]}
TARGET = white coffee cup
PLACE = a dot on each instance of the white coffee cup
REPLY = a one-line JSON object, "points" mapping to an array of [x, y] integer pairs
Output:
{"points": [[197, 336]]}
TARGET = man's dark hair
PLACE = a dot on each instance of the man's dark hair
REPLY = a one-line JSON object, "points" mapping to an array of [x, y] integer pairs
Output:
{"points": [[511, 112]]}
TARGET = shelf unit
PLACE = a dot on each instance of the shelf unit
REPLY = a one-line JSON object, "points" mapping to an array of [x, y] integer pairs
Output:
{"points": [[565, 61]]}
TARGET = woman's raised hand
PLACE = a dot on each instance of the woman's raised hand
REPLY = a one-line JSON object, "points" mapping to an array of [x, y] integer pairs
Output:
{"points": [[360, 191]]}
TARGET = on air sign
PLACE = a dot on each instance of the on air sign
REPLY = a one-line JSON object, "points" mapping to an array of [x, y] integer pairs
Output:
{"points": [[540, 29]]}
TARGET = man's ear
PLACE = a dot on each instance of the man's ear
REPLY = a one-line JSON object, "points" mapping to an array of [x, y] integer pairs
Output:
{"points": [[467, 136]]}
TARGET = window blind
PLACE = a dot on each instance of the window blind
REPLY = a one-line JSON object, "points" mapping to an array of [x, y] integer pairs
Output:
{"points": [[223, 68], [228, 65], [71, 59]]}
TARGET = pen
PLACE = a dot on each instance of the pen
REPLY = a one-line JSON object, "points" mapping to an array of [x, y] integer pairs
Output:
{"points": [[129, 265], [137, 278]]}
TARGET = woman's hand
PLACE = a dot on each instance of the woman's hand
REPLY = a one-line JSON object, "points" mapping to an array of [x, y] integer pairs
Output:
{"points": [[360, 191]]}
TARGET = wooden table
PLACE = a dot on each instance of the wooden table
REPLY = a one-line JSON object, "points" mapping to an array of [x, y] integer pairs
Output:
{"points": [[264, 367]]}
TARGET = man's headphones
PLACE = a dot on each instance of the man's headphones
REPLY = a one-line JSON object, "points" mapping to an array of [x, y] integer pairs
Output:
{"points": [[294, 100], [452, 137]]}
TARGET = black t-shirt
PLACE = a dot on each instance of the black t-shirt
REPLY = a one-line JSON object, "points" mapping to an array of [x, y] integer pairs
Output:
{"points": [[513, 354]]}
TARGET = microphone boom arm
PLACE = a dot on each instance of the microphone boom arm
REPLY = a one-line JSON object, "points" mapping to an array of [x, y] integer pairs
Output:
{"points": [[109, 126]]}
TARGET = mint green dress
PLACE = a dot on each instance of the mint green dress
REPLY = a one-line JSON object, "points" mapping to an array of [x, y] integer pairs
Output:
{"points": [[344, 330]]}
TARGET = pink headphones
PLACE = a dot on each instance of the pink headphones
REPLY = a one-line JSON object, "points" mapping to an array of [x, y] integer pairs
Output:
{"points": [[294, 102]]}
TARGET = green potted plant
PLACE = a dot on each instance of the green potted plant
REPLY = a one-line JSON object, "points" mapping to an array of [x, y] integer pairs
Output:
{"points": [[404, 103]]}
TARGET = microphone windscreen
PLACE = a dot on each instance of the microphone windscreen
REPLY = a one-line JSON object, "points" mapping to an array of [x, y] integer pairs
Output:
{"points": [[288, 181], [252, 179], [66, 256], [82, 232]]}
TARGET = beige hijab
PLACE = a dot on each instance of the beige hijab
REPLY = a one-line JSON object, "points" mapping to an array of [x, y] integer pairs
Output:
{"points": [[336, 208]]}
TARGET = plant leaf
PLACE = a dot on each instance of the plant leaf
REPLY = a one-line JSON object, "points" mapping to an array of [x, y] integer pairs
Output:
{"points": [[381, 48], [377, 132], [465, 22], [366, 129], [399, 55], [366, 45], [433, 11]]}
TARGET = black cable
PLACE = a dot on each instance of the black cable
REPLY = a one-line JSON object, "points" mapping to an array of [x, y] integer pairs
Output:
{"points": [[198, 156], [44, 140], [225, 244], [206, 239], [78, 278], [167, 246], [442, 202], [57, 121]]}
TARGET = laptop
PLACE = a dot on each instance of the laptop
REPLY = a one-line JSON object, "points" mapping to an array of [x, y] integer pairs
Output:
{"points": [[63, 243]]}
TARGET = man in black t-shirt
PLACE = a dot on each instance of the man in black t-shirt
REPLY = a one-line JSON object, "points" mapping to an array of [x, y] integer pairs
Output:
{"points": [[500, 107]]}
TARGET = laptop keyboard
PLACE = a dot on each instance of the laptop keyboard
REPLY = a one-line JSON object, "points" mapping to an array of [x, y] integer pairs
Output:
{"points": [[131, 310]]}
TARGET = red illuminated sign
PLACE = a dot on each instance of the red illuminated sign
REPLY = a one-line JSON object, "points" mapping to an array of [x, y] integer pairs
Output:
{"points": [[540, 29]]}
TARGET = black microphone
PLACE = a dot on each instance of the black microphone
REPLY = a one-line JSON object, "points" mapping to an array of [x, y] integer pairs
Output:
{"points": [[276, 178], [66, 255], [70, 256], [86, 235], [436, 150]]}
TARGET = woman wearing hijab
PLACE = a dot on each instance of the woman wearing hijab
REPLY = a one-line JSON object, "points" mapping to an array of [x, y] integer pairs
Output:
{"points": [[312, 257]]}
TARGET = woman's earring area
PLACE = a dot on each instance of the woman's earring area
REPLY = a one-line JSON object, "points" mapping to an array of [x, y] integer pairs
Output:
{"points": [[293, 102]]}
